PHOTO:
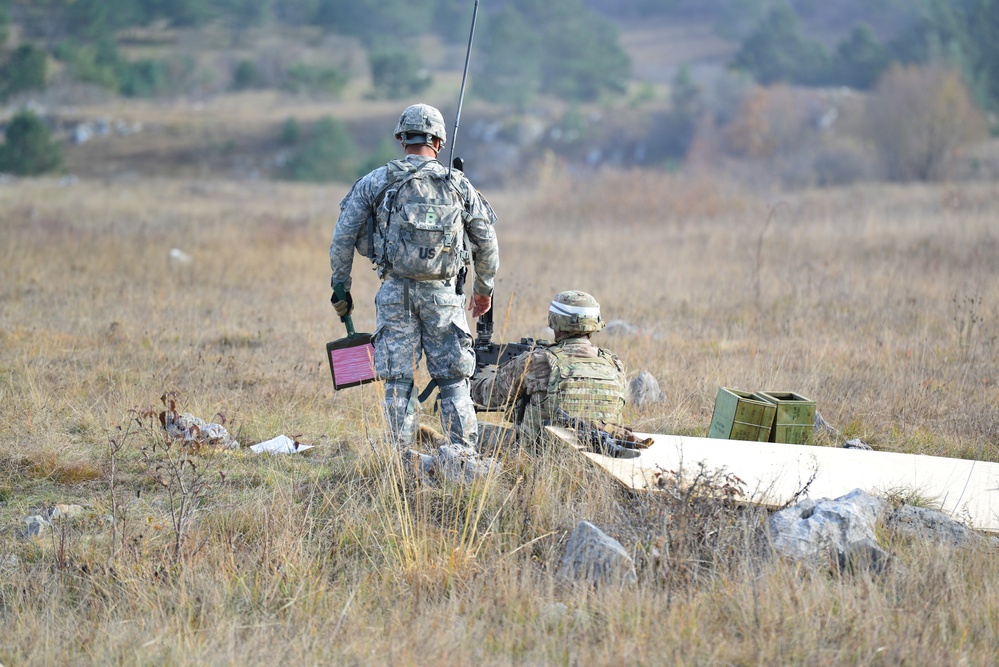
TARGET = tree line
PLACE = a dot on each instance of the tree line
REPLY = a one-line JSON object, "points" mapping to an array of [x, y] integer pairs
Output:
{"points": [[963, 34], [527, 48]]}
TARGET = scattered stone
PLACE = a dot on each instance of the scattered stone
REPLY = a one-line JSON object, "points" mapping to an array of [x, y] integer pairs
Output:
{"points": [[82, 134], [928, 524], [459, 464], [421, 465], [9, 562], [857, 443], [822, 425], [644, 390], [553, 615], [558, 614], [178, 258], [619, 328], [494, 438], [841, 530], [35, 525], [61, 511], [594, 557]]}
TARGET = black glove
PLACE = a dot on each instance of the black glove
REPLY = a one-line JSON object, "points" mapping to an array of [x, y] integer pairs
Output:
{"points": [[345, 306]]}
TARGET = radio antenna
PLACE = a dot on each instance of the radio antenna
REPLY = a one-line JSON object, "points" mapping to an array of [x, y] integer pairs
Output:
{"points": [[461, 95]]}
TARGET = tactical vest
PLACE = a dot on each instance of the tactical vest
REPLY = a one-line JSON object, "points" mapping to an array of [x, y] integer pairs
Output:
{"points": [[418, 231], [585, 387]]}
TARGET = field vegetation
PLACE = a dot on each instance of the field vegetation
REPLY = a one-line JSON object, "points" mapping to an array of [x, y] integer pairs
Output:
{"points": [[724, 265], [880, 303]]}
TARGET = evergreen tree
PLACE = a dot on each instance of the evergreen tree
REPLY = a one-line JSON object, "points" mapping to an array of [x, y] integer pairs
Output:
{"points": [[4, 22], [329, 155], [511, 60], [777, 51], [23, 71], [29, 149], [241, 15], [983, 20], [559, 47], [372, 20], [860, 58], [397, 73]]}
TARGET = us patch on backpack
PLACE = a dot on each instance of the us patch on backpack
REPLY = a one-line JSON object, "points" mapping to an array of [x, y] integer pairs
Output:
{"points": [[424, 232]]}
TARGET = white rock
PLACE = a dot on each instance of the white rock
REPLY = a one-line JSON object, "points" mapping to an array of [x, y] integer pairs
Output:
{"points": [[644, 390], [595, 557]]}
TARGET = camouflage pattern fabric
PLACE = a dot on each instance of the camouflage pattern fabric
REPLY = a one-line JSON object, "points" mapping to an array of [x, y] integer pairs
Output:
{"points": [[425, 317], [531, 374], [424, 237], [589, 388], [420, 317], [358, 205]]}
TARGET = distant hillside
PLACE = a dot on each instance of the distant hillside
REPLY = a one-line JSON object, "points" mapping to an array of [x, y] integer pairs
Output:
{"points": [[137, 87]]}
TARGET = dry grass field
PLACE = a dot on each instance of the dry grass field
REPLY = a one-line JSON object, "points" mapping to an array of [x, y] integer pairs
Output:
{"points": [[881, 304]]}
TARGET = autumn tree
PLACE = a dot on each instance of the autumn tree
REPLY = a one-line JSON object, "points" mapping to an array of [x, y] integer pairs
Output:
{"points": [[918, 116]]}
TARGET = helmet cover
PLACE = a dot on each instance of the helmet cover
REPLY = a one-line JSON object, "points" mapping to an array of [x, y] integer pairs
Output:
{"points": [[419, 123], [574, 312]]}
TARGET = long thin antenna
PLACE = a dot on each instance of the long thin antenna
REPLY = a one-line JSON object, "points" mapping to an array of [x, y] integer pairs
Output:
{"points": [[461, 95]]}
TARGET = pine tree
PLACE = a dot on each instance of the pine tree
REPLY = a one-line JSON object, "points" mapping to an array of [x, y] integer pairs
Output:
{"points": [[29, 149]]}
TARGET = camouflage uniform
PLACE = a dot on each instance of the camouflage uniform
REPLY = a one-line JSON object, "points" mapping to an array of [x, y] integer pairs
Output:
{"points": [[541, 374], [574, 375], [419, 316]]}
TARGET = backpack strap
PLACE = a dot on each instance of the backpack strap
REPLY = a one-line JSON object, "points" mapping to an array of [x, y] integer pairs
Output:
{"points": [[395, 170]]}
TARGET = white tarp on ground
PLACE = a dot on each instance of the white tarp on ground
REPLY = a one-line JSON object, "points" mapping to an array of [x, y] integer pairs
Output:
{"points": [[774, 472]]}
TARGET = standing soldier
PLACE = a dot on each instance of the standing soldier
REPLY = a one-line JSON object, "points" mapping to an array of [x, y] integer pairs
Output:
{"points": [[573, 375], [421, 224]]}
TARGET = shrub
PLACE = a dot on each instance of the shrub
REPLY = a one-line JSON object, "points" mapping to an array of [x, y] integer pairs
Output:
{"points": [[842, 163], [29, 149], [777, 51], [291, 133], [918, 116], [23, 71], [559, 48], [103, 64], [303, 78], [387, 150], [142, 78], [330, 155], [245, 75], [397, 73]]}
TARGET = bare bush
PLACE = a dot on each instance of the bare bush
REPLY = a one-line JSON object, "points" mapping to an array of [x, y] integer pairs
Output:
{"points": [[918, 116]]}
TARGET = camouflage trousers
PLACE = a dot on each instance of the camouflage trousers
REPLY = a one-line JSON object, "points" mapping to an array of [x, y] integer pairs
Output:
{"points": [[416, 318]]}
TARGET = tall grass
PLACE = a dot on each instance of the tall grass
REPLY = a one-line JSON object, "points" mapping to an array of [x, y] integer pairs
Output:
{"points": [[878, 303]]}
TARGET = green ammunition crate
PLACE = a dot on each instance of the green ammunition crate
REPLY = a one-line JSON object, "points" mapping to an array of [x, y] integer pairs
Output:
{"points": [[740, 415], [794, 418]]}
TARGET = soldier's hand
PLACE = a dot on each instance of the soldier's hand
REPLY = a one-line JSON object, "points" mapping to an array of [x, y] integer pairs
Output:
{"points": [[480, 304], [343, 307]]}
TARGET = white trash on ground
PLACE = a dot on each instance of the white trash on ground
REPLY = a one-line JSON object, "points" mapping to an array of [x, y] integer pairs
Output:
{"points": [[282, 444]]}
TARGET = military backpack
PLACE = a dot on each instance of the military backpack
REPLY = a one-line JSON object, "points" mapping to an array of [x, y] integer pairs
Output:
{"points": [[419, 231]]}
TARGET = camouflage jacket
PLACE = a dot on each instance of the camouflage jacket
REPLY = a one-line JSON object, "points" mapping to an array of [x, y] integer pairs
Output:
{"points": [[352, 228]]}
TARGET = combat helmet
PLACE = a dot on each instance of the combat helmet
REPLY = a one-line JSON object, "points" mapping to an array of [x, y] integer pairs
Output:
{"points": [[419, 123], [574, 312]]}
